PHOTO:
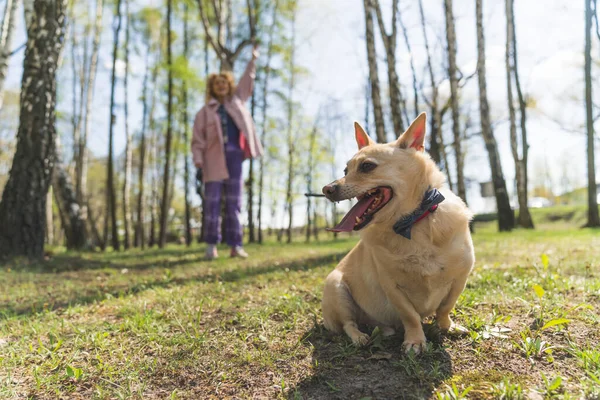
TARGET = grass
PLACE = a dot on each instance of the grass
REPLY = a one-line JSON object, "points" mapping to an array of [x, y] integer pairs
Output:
{"points": [[165, 324]]}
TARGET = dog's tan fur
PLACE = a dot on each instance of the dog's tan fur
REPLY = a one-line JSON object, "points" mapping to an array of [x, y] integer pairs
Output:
{"points": [[386, 279]]}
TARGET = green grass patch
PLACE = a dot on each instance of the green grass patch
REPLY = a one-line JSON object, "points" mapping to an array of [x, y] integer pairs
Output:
{"points": [[166, 324]]}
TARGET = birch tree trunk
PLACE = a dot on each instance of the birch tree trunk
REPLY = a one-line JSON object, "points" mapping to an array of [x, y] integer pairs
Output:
{"points": [[81, 171], [111, 202], [127, 223], [524, 219], [165, 204], [6, 34], [506, 217], [290, 136], [452, 72], [389, 42], [435, 120], [373, 73], [23, 204], [185, 127], [593, 217], [263, 133]]}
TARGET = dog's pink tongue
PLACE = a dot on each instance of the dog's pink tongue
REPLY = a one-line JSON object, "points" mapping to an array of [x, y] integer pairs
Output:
{"points": [[347, 223]]}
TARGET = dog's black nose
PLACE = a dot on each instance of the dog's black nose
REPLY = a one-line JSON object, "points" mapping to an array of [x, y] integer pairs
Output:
{"points": [[330, 190]]}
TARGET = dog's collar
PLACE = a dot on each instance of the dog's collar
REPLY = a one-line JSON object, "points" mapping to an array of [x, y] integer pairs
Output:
{"points": [[431, 199]]}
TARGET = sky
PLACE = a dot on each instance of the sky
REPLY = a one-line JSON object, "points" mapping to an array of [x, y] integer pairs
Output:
{"points": [[550, 36]]}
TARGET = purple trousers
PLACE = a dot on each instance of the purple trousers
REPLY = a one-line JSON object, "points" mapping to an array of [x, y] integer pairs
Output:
{"points": [[232, 190]]}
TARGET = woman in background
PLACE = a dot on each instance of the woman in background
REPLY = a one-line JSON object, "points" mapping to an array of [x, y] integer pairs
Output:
{"points": [[224, 136]]}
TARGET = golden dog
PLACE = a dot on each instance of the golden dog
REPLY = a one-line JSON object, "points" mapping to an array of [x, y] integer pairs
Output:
{"points": [[415, 251]]}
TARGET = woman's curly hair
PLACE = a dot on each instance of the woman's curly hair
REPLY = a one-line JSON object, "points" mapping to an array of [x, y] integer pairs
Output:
{"points": [[211, 80]]}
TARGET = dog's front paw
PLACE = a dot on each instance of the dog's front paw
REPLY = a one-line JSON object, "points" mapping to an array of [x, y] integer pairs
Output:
{"points": [[444, 322], [360, 339], [416, 346]]}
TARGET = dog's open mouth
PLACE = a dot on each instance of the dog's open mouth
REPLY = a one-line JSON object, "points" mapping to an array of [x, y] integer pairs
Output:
{"points": [[362, 213]]}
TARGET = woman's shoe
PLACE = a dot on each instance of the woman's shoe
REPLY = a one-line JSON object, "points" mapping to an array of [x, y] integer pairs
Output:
{"points": [[238, 251], [211, 252]]}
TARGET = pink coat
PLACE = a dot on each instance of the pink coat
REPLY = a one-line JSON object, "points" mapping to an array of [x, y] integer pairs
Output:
{"points": [[207, 138]]}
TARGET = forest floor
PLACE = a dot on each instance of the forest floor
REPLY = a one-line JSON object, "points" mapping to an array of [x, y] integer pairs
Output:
{"points": [[160, 324]]}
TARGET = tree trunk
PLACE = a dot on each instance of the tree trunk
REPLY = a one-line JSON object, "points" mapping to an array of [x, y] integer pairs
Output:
{"points": [[251, 230], [389, 42], [290, 136], [23, 204], [49, 218], [74, 226], [452, 72], [127, 223], [6, 34], [524, 220], [139, 240], [435, 120], [593, 217], [373, 74], [263, 133], [309, 176], [412, 66], [153, 160], [81, 171], [165, 205], [506, 217], [111, 201], [186, 173], [524, 215]]}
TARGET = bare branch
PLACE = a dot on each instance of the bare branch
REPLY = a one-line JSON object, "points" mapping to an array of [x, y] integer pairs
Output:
{"points": [[251, 20], [386, 38], [206, 24]]}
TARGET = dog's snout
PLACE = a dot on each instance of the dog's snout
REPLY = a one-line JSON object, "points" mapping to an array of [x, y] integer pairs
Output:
{"points": [[330, 190]]}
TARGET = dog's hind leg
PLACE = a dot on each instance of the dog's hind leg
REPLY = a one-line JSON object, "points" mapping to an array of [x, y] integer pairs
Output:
{"points": [[340, 312]]}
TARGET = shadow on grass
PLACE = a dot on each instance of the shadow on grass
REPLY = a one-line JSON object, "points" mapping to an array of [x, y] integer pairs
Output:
{"points": [[141, 260], [380, 370], [89, 294]]}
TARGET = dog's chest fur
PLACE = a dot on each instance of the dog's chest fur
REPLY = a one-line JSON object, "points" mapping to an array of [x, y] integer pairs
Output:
{"points": [[423, 276]]}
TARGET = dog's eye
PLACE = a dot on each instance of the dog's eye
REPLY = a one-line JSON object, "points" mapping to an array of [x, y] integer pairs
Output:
{"points": [[345, 171], [367, 166]]}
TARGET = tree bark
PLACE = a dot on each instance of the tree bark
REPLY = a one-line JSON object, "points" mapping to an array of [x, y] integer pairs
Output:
{"points": [[435, 120], [309, 176], [127, 223], [23, 204], [152, 161], [74, 226], [412, 66], [452, 72], [593, 217], [250, 183], [186, 172], [506, 217], [140, 237], [290, 136], [524, 219], [111, 201], [49, 218], [263, 133], [81, 171], [389, 42], [374, 74], [165, 204], [524, 215], [6, 34]]}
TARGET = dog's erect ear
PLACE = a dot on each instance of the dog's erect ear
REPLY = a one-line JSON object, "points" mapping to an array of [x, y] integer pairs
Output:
{"points": [[414, 136], [362, 139]]}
